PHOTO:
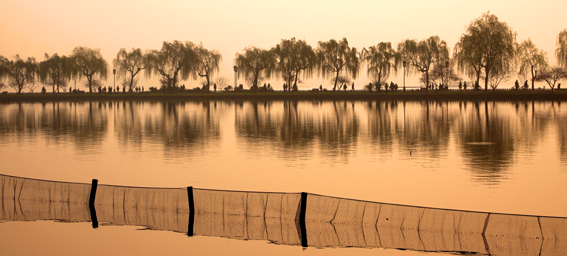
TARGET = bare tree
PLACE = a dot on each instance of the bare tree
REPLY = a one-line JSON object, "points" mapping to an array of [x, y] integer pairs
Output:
{"points": [[551, 76]]}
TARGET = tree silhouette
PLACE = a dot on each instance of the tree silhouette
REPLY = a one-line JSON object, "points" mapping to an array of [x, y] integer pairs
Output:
{"points": [[335, 57], [90, 64], [381, 60], [175, 61], [207, 64], [55, 70], [551, 76], [129, 63], [292, 57], [18, 71], [488, 45], [255, 64], [561, 51], [423, 54], [530, 58]]}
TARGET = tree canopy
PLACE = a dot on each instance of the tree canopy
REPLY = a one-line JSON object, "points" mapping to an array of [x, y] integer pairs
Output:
{"points": [[487, 45], [207, 64], [530, 59], [381, 61], [175, 61], [55, 70], [255, 64], [90, 64], [425, 53], [292, 57], [335, 57], [129, 64], [18, 71], [561, 51]]}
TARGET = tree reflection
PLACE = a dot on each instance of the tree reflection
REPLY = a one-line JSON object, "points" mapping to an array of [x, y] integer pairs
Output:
{"points": [[292, 128], [83, 123], [183, 128]]}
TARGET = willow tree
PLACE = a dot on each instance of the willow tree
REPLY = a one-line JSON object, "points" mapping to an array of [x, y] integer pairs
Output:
{"points": [[18, 71], [255, 64], [487, 45], [293, 57], [55, 70], [530, 59], [424, 54], [175, 61], [129, 64], [561, 51], [90, 64], [551, 76], [335, 57], [381, 61], [207, 63]]}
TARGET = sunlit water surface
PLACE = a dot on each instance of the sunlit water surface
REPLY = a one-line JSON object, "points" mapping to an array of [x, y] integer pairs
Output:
{"points": [[507, 157]]}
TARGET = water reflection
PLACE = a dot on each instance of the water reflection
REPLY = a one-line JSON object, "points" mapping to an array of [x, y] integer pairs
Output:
{"points": [[487, 138], [297, 129], [84, 124]]}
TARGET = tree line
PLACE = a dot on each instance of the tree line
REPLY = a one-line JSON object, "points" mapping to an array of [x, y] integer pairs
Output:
{"points": [[487, 52]]}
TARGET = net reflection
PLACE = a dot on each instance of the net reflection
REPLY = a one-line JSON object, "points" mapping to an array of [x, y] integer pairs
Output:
{"points": [[328, 222]]}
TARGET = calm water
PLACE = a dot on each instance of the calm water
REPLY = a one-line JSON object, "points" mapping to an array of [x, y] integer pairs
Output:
{"points": [[507, 157]]}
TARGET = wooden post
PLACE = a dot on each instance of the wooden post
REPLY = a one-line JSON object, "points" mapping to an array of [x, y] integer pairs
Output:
{"points": [[191, 211], [302, 227], [92, 203]]}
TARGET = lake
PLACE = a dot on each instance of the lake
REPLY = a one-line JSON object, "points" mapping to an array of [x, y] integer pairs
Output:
{"points": [[495, 157]]}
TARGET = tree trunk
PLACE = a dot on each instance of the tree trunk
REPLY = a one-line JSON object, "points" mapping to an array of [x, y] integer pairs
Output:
{"points": [[533, 77], [486, 79], [336, 81]]}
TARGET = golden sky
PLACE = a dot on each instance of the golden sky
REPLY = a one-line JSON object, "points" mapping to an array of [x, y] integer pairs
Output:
{"points": [[32, 28]]}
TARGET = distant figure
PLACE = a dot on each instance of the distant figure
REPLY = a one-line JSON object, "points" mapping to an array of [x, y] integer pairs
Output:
{"points": [[526, 86], [117, 89], [559, 86], [391, 85], [345, 87], [284, 87], [43, 89], [460, 85], [517, 85], [215, 86], [142, 88], [353, 86], [320, 87], [476, 85], [465, 86]]}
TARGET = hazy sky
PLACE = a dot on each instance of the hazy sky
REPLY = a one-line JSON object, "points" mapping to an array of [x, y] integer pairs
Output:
{"points": [[32, 28]]}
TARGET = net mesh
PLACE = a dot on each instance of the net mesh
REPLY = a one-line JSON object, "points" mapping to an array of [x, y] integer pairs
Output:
{"points": [[28, 199], [329, 221]]}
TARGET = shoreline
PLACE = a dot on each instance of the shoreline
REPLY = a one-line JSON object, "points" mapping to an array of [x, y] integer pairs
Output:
{"points": [[537, 95]]}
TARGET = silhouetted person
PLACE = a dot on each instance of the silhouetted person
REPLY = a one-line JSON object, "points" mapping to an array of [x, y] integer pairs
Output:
{"points": [[320, 87], [43, 89], [353, 86], [460, 85], [465, 85], [215, 86], [526, 86], [517, 85], [559, 86], [476, 85], [391, 85], [142, 88]]}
